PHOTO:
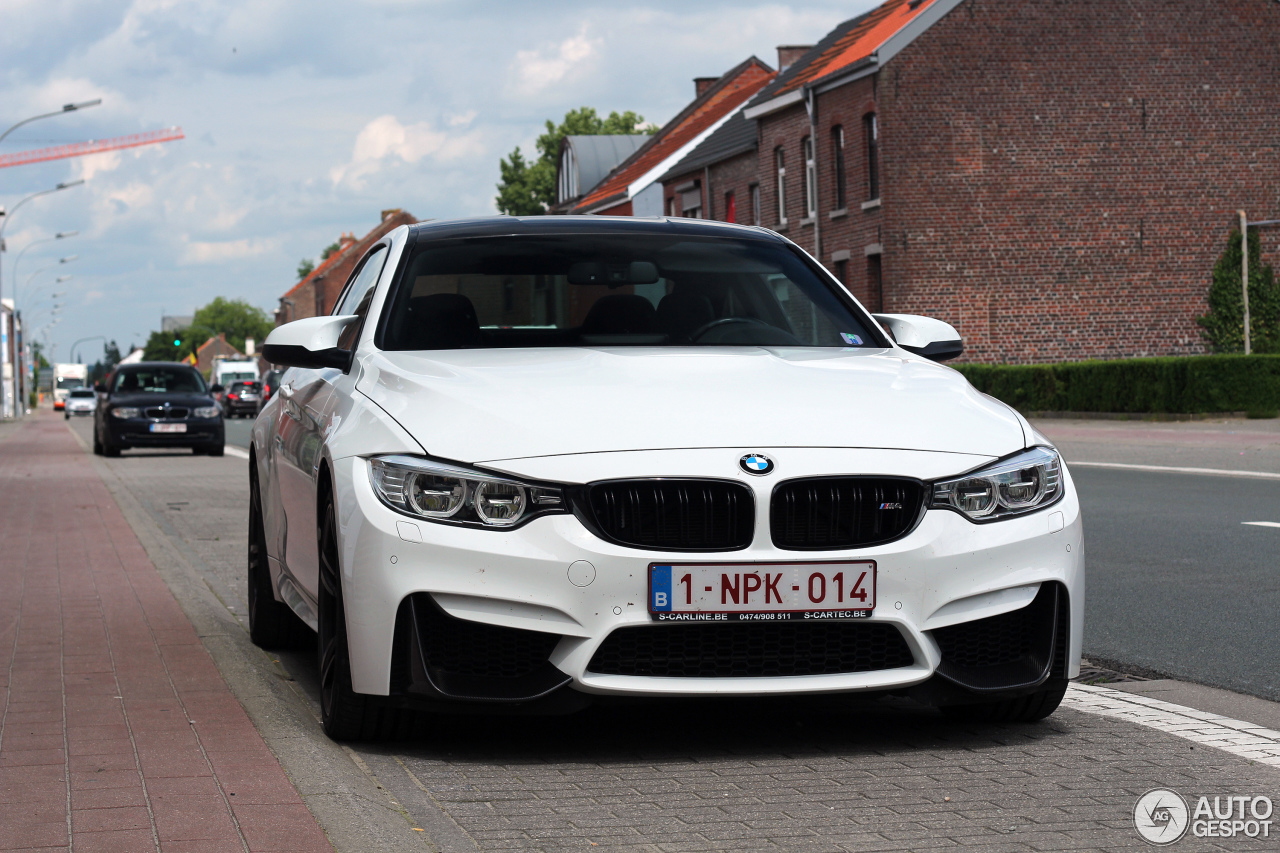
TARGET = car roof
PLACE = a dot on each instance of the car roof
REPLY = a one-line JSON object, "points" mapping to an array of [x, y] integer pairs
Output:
{"points": [[144, 365], [503, 226]]}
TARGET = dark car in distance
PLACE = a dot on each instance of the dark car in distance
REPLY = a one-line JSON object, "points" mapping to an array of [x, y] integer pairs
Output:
{"points": [[270, 384], [242, 399], [156, 404]]}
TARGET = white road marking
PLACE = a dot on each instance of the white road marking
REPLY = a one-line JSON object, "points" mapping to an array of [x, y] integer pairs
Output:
{"points": [[1262, 523], [232, 450], [1247, 740], [1223, 472]]}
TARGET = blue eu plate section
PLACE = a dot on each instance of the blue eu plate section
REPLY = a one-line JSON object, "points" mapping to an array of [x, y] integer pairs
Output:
{"points": [[660, 589]]}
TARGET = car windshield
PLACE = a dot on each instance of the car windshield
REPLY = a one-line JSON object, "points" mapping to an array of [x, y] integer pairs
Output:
{"points": [[616, 290], [82, 392], [159, 380], [65, 382]]}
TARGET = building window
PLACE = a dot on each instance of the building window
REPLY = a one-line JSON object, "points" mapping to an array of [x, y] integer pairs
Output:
{"points": [[810, 179], [875, 295], [755, 204], [691, 203], [780, 160], [873, 156], [671, 207], [837, 162], [730, 208], [842, 272]]}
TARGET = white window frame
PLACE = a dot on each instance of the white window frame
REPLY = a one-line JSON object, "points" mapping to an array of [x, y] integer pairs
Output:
{"points": [[780, 162], [810, 178]]}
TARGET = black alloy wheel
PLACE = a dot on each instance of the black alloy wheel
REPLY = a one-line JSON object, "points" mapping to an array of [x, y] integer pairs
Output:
{"points": [[272, 624], [344, 714]]}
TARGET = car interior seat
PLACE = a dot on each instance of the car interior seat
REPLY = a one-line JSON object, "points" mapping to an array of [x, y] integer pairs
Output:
{"points": [[679, 314], [620, 314], [442, 321]]}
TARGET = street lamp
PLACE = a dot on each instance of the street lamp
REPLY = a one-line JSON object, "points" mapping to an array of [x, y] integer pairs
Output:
{"points": [[66, 108], [65, 185], [26, 285], [61, 235]]}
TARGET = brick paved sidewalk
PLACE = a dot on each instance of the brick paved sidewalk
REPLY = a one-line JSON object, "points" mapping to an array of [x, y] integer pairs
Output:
{"points": [[117, 732]]}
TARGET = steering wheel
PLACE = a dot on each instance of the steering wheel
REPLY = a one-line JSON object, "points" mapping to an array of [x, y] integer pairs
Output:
{"points": [[751, 331]]}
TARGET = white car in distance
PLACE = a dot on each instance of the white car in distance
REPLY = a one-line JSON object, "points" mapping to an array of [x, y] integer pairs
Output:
{"points": [[528, 461]]}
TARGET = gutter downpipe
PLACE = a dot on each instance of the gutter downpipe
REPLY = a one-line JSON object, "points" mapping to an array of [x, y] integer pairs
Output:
{"points": [[1244, 275], [811, 104]]}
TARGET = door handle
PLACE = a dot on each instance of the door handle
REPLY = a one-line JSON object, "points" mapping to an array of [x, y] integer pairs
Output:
{"points": [[286, 390]]}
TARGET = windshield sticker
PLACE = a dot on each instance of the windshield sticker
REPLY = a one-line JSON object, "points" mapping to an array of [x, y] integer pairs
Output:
{"points": [[851, 340]]}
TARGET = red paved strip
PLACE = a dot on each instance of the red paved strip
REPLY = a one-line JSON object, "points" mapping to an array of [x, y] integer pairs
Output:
{"points": [[117, 731]]}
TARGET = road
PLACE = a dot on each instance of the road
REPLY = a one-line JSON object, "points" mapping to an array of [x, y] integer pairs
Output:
{"points": [[751, 775]]}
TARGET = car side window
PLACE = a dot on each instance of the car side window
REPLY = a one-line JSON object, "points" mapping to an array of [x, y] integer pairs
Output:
{"points": [[363, 282]]}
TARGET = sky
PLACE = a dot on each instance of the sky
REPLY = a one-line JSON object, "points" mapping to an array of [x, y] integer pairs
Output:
{"points": [[305, 119]]}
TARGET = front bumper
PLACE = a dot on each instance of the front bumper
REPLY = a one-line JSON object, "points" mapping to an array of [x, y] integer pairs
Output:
{"points": [[136, 432], [510, 598]]}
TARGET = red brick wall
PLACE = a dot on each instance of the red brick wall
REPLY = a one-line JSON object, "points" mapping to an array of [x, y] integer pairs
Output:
{"points": [[734, 175], [1059, 177], [316, 295]]}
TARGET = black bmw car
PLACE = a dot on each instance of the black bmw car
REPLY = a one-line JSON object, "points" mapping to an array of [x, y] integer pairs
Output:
{"points": [[156, 404]]}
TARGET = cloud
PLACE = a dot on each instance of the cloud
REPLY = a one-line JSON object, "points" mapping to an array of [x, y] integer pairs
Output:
{"points": [[535, 70], [386, 139], [227, 250]]}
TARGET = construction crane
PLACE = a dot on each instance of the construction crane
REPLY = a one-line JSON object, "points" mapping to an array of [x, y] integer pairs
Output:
{"points": [[93, 146]]}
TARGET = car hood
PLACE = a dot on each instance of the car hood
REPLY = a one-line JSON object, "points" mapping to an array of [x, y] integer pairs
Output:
{"points": [[488, 404]]}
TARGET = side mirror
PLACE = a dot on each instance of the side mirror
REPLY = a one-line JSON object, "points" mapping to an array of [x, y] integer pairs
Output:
{"points": [[933, 339], [310, 343]]}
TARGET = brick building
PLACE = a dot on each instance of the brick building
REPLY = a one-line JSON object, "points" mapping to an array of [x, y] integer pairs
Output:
{"points": [[1055, 179], [632, 188], [316, 294]]}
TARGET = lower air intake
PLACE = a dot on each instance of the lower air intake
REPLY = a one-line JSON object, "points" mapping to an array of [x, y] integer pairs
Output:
{"points": [[751, 650]]}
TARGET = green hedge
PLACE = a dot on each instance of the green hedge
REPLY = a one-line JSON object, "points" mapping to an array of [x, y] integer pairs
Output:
{"points": [[1183, 385]]}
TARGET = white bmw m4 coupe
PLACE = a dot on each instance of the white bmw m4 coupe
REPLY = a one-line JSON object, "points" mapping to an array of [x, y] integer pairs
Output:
{"points": [[530, 461]]}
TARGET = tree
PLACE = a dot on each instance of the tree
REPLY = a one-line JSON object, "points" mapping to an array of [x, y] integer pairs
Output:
{"points": [[528, 189], [1224, 324], [234, 318], [306, 267], [167, 346], [110, 358], [329, 250]]}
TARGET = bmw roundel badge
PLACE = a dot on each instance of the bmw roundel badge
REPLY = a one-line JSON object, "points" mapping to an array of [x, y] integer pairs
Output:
{"points": [[756, 463]]}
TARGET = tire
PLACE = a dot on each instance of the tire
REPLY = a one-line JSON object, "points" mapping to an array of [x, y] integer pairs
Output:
{"points": [[110, 450], [219, 449], [272, 625], [97, 444], [344, 714], [1030, 708], [66, 416]]}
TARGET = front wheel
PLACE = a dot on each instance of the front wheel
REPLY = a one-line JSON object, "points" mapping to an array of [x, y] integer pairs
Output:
{"points": [[272, 624], [97, 444], [1020, 709], [216, 449], [344, 714]]}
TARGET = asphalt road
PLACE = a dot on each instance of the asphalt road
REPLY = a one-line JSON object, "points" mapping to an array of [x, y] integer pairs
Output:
{"points": [[1177, 582], [239, 431]]}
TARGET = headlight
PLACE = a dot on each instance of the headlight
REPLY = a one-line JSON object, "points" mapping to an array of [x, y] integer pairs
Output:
{"points": [[452, 494], [124, 412], [208, 412], [1023, 483]]}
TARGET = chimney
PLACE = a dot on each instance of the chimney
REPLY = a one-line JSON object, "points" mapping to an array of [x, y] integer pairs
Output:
{"points": [[789, 53], [345, 241], [702, 84]]}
